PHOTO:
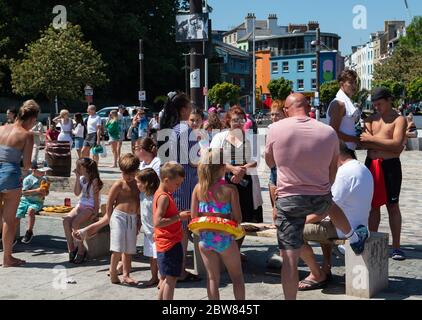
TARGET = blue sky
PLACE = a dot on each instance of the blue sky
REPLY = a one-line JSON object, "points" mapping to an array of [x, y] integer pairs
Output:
{"points": [[333, 15]]}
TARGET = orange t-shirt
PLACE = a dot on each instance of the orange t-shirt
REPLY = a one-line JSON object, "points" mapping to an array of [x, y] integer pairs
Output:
{"points": [[166, 237]]}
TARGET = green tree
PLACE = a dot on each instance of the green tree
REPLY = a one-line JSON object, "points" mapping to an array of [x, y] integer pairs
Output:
{"points": [[223, 93], [361, 96], [328, 91], [414, 90], [60, 64], [280, 88], [413, 38]]}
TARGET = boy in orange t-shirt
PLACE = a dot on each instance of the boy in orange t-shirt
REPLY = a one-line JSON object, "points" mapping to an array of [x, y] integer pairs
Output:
{"points": [[168, 229]]}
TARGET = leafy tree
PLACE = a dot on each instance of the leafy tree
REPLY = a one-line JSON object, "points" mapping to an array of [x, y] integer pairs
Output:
{"points": [[396, 88], [223, 93], [414, 90], [60, 64], [361, 96], [328, 91], [413, 38], [280, 88]]}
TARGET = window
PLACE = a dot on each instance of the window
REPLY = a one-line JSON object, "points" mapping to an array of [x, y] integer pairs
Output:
{"points": [[313, 84], [300, 66], [242, 83], [313, 65], [274, 67], [285, 66], [300, 85]]}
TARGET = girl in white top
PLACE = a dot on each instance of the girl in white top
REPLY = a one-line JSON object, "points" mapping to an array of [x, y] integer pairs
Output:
{"points": [[78, 132], [66, 126], [88, 184], [146, 151], [148, 182]]}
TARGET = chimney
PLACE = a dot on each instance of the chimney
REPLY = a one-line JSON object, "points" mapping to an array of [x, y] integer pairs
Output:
{"points": [[272, 23], [249, 22]]}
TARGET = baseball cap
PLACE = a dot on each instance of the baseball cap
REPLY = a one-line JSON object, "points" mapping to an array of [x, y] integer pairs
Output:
{"points": [[45, 168], [380, 93]]}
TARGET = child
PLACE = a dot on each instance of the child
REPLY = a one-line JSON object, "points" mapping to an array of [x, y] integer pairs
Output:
{"points": [[168, 229], [212, 196], [35, 188], [146, 151], [276, 115], [89, 184], [148, 183], [124, 216]]}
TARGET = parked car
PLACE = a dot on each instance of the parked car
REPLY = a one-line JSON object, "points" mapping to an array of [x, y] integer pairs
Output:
{"points": [[105, 112]]}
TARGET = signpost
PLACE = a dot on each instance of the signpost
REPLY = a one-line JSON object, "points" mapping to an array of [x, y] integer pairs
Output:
{"points": [[142, 95], [89, 94]]}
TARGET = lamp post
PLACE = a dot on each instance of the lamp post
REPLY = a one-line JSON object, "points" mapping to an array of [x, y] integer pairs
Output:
{"points": [[318, 48], [253, 67]]}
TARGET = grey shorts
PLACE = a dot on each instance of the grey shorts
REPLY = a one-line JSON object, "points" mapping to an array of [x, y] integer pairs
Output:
{"points": [[90, 140], [291, 216]]}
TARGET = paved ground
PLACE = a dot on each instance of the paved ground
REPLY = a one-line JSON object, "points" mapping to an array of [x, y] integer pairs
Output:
{"points": [[46, 271]]}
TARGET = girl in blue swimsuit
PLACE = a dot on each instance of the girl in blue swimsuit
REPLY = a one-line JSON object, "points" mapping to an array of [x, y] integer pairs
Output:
{"points": [[212, 196]]}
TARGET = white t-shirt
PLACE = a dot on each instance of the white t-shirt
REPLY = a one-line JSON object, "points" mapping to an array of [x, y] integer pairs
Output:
{"points": [[146, 214], [155, 165], [352, 192], [92, 123], [78, 132]]}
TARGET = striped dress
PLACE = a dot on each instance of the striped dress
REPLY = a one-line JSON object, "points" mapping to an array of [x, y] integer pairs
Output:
{"points": [[180, 147]]}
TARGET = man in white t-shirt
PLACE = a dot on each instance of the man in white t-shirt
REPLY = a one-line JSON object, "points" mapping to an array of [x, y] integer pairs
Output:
{"points": [[352, 193], [93, 137]]}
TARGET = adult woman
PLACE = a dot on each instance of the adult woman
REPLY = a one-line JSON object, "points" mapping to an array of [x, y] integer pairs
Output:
{"points": [[240, 164], [79, 133], [16, 142], [175, 116], [66, 126], [412, 131], [113, 129]]}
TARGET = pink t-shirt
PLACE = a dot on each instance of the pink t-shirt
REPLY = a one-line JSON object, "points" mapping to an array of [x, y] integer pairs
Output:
{"points": [[303, 149]]}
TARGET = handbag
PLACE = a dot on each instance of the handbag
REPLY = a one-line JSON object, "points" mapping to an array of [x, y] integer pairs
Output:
{"points": [[104, 153]]}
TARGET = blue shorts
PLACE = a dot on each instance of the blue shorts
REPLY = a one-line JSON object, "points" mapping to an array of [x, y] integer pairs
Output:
{"points": [[78, 143], [10, 176], [170, 262], [25, 205], [273, 176]]}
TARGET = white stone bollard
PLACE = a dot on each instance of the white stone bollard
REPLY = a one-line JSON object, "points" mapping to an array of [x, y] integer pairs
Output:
{"points": [[367, 274]]}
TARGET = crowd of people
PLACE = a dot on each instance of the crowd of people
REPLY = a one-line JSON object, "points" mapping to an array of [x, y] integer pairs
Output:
{"points": [[208, 168]]}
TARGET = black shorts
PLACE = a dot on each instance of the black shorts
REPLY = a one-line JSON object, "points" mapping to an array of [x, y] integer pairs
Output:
{"points": [[392, 177], [170, 262]]}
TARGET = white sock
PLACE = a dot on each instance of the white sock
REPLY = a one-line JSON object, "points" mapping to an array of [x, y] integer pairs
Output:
{"points": [[352, 236]]}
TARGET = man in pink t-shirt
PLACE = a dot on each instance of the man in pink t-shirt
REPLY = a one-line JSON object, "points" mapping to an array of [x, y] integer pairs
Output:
{"points": [[305, 153]]}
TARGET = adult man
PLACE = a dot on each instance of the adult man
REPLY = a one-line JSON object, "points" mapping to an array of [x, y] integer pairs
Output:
{"points": [[384, 137], [352, 193], [342, 113], [11, 114], [142, 124], [93, 137], [304, 177]]}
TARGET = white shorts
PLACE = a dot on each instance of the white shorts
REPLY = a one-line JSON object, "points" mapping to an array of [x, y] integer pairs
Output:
{"points": [[149, 246], [123, 229]]}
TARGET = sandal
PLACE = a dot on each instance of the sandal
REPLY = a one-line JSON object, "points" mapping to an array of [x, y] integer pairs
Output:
{"points": [[79, 259], [312, 285]]}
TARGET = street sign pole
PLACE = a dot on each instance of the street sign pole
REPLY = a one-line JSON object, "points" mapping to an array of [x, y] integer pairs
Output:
{"points": [[196, 62], [141, 71]]}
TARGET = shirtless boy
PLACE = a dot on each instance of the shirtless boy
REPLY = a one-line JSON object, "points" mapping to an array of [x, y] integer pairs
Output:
{"points": [[384, 137], [124, 216]]}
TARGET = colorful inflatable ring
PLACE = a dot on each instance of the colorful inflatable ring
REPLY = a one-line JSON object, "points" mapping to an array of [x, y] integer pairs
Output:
{"points": [[216, 224]]}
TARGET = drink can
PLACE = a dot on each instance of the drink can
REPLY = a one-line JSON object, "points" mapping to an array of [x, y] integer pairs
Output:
{"points": [[67, 202]]}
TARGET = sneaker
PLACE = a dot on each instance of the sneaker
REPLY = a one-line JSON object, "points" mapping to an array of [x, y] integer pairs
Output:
{"points": [[398, 255], [28, 237], [363, 234]]}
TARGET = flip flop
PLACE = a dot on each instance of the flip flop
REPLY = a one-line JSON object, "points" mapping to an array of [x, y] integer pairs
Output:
{"points": [[17, 263], [312, 285], [151, 284]]}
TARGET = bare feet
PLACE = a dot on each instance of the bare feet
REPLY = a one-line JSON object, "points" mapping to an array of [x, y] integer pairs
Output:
{"points": [[12, 262], [129, 281], [115, 279]]}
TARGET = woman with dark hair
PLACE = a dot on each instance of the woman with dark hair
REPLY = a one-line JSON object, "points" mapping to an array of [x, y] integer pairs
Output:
{"points": [[240, 164], [79, 133], [16, 143], [176, 115]]}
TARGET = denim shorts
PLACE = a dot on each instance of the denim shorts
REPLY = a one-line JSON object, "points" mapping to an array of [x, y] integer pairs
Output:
{"points": [[10, 176], [170, 262], [273, 176], [78, 143], [291, 217]]}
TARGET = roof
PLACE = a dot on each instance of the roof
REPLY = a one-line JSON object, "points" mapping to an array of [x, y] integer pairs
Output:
{"points": [[259, 25], [232, 50]]}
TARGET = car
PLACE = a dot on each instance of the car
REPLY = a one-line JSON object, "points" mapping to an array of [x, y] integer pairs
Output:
{"points": [[105, 112]]}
